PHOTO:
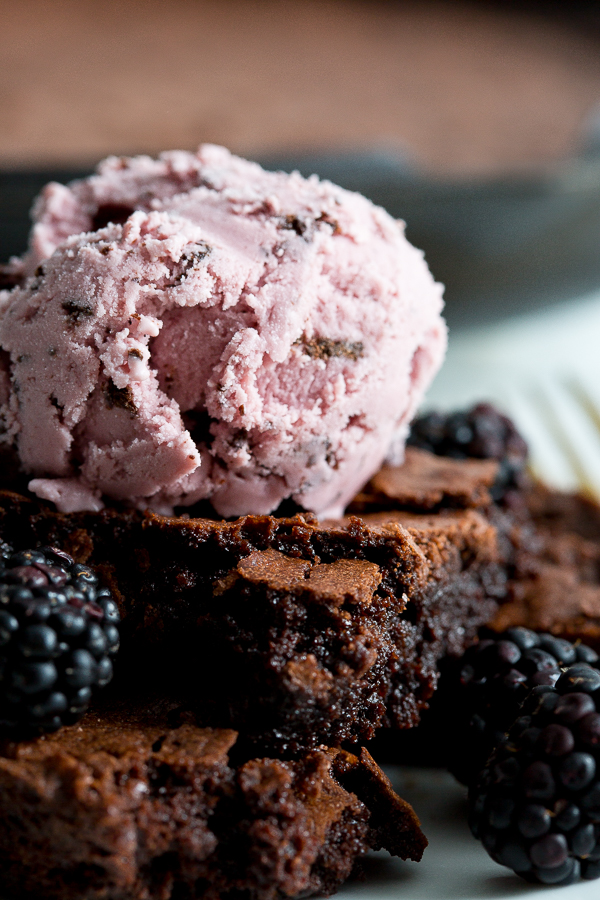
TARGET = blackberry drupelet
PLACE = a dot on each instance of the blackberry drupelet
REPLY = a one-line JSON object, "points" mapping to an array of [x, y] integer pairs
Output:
{"points": [[481, 432], [58, 636], [536, 804], [479, 696]]}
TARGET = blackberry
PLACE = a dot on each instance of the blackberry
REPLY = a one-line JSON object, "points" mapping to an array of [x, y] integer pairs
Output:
{"points": [[481, 432], [58, 637], [536, 804], [480, 694]]}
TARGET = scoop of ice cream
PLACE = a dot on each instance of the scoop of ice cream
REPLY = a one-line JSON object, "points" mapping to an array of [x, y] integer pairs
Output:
{"points": [[194, 327]]}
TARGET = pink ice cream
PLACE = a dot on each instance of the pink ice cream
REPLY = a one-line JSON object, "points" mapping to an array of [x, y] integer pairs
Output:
{"points": [[240, 336]]}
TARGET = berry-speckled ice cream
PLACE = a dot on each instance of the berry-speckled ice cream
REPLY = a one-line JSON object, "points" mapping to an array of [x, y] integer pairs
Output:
{"points": [[237, 335]]}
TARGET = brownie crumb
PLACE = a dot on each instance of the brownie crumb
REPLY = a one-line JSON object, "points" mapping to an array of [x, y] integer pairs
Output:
{"points": [[77, 309], [328, 220], [294, 223], [190, 260], [325, 348], [196, 256], [131, 804], [121, 398]]}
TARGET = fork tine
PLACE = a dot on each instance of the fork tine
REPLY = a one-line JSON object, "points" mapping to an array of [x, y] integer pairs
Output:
{"points": [[586, 395], [575, 431], [548, 460]]}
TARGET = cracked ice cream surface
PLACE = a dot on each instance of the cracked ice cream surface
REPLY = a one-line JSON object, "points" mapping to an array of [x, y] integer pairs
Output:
{"points": [[241, 336]]}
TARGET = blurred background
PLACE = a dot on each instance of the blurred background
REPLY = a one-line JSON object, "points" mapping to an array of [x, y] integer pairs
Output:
{"points": [[477, 122], [464, 88]]}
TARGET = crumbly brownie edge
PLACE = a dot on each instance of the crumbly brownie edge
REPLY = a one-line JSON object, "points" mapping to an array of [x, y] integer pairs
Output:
{"points": [[123, 809]]}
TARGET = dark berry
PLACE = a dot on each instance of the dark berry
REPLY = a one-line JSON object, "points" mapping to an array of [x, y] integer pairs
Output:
{"points": [[590, 869], [586, 654], [534, 820], [555, 740], [567, 873], [566, 815], [500, 812], [480, 695], [537, 800], [104, 671], [524, 638], [58, 633], [538, 781], [560, 649], [589, 728], [572, 707], [95, 640], [38, 641], [109, 608], [80, 669], [69, 622], [513, 856], [538, 660], [32, 678], [577, 770], [549, 852], [583, 840], [580, 677], [112, 638], [481, 432], [79, 701]]}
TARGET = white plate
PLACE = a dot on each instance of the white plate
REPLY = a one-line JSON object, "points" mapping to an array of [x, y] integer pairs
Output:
{"points": [[454, 866]]}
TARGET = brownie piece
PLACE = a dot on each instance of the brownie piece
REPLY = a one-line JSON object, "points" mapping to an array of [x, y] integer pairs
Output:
{"points": [[555, 512], [296, 632], [428, 483], [125, 805], [554, 582], [549, 542]]}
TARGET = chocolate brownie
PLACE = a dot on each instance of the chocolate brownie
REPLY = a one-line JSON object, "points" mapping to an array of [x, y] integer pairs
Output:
{"points": [[127, 804], [549, 541], [428, 483], [554, 582], [297, 633]]}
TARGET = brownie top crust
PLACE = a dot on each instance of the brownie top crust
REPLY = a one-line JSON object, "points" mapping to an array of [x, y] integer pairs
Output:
{"points": [[425, 482], [343, 581]]}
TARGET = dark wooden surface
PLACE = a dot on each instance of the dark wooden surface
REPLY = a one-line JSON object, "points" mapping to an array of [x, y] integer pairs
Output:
{"points": [[467, 87]]}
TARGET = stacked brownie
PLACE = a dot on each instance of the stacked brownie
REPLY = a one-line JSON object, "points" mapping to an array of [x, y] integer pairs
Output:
{"points": [[548, 541], [555, 572], [134, 802], [299, 634], [304, 632], [302, 636]]}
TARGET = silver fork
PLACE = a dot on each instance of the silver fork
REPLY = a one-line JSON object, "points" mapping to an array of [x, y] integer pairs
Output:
{"points": [[560, 419]]}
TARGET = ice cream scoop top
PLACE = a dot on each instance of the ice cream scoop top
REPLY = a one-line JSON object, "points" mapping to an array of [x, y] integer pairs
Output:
{"points": [[194, 327]]}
